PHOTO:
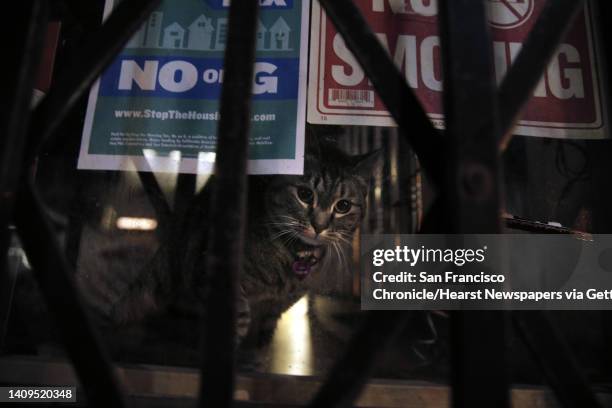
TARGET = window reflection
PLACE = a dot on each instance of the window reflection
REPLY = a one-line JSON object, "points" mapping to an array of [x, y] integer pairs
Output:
{"points": [[292, 342]]}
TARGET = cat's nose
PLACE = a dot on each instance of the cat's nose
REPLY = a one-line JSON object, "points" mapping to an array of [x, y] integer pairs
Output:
{"points": [[319, 227], [320, 222]]}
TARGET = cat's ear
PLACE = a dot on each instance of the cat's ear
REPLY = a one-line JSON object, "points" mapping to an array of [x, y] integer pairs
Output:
{"points": [[366, 164], [312, 145], [312, 153], [320, 137]]}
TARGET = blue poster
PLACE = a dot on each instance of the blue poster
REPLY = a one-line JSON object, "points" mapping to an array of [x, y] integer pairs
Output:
{"points": [[156, 108]]}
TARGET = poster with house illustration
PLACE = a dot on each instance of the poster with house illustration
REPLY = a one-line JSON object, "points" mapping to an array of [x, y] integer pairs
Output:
{"points": [[198, 35], [156, 107]]}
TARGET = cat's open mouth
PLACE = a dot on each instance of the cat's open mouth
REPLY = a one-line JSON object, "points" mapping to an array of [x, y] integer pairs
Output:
{"points": [[306, 258]]}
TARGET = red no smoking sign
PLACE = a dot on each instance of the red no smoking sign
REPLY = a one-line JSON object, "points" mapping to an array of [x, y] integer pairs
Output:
{"points": [[509, 13], [566, 103]]}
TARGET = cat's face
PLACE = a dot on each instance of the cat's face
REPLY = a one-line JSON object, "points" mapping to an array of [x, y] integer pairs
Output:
{"points": [[315, 215]]}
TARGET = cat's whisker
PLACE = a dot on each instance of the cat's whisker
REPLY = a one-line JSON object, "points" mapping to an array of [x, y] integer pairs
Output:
{"points": [[283, 224], [343, 261], [327, 259], [286, 219], [283, 232], [289, 218], [343, 239], [338, 252], [331, 245], [335, 248], [280, 234], [288, 241], [288, 235], [346, 262], [281, 227]]}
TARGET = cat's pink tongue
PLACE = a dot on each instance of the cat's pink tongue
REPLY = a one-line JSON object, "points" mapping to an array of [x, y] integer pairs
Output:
{"points": [[301, 268]]}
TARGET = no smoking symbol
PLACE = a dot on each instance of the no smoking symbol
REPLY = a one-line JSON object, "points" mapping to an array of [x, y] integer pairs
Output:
{"points": [[509, 13]]}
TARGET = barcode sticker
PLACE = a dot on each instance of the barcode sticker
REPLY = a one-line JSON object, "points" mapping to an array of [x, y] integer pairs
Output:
{"points": [[351, 98]]}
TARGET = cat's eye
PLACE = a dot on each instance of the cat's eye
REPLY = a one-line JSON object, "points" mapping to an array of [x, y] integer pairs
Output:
{"points": [[305, 194], [343, 206]]}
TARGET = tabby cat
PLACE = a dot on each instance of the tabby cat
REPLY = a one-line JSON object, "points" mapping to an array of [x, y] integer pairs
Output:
{"points": [[296, 224], [306, 221]]}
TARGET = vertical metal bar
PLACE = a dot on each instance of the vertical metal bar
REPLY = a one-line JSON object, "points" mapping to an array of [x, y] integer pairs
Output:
{"points": [[394, 183], [22, 59], [471, 191], [406, 189], [97, 376], [184, 192], [470, 106], [228, 209], [184, 195]]}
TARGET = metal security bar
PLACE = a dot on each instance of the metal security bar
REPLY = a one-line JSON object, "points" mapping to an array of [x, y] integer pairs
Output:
{"points": [[469, 182], [471, 192], [228, 209], [24, 56]]}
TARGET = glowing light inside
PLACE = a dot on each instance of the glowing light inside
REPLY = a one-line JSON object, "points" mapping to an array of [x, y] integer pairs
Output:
{"points": [[377, 192], [149, 153], [292, 342], [207, 157], [136, 224]]}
